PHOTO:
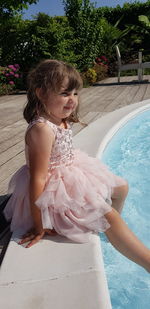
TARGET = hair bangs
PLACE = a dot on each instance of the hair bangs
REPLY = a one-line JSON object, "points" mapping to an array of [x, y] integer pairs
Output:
{"points": [[74, 79]]}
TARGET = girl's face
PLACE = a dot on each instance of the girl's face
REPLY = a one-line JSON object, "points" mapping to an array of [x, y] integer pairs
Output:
{"points": [[61, 105]]}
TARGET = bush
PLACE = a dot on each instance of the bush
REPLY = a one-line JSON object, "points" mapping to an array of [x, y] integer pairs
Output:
{"points": [[94, 74], [89, 77], [101, 67], [10, 78], [101, 71], [6, 89], [87, 31]]}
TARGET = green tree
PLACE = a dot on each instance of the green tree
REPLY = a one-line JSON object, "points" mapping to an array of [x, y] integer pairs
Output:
{"points": [[9, 9], [86, 29], [9, 6], [72, 9], [27, 42], [137, 38]]}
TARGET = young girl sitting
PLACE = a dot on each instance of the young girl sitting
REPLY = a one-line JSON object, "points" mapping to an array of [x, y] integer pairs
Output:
{"points": [[62, 190]]}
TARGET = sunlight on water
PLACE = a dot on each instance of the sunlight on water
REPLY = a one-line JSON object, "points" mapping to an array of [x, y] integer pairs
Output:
{"points": [[128, 155]]}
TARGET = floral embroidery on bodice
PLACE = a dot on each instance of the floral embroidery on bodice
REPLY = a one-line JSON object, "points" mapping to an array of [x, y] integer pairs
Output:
{"points": [[62, 150]]}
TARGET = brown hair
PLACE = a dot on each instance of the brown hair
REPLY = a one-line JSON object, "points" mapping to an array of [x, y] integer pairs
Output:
{"points": [[49, 75]]}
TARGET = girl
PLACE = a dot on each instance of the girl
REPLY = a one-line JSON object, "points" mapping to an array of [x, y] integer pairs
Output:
{"points": [[62, 190]]}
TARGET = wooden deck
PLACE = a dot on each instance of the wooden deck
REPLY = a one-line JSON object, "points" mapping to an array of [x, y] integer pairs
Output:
{"points": [[97, 100]]}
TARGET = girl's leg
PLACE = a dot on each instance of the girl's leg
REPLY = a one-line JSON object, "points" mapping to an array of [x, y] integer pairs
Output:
{"points": [[118, 197], [123, 239]]}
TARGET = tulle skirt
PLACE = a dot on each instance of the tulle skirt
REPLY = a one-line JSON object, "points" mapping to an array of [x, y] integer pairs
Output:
{"points": [[75, 199]]}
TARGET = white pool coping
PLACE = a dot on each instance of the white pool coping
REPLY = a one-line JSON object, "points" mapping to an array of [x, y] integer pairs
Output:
{"points": [[54, 274], [57, 273]]}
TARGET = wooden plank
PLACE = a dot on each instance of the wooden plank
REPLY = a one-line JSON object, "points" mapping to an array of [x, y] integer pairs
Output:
{"points": [[10, 98], [7, 99], [10, 120], [147, 92], [13, 129], [11, 152], [4, 185], [124, 98], [88, 104], [11, 142], [101, 103], [12, 111], [8, 169], [11, 107], [139, 96], [11, 166]]}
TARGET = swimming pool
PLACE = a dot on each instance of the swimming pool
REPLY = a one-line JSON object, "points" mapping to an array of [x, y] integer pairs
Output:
{"points": [[128, 155]]}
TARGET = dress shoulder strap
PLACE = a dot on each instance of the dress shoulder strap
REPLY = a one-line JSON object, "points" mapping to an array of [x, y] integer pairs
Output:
{"points": [[42, 120]]}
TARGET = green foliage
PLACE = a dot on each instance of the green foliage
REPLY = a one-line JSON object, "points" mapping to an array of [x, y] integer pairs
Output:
{"points": [[128, 13], [10, 76], [110, 35], [137, 38], [6, 89], [144, 19], [94, 74], [134, 34], [101, 71], [8, 6], [91, 75], [94, 34], [28, 42], [10, 79], [84, 34], [86, 29], [72, 9]]}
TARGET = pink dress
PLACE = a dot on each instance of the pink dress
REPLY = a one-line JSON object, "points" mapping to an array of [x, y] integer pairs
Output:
{"points": [[77, 192]]}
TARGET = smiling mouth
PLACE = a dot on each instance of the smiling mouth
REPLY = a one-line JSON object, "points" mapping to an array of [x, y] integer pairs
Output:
{"points": [[68, 107]]}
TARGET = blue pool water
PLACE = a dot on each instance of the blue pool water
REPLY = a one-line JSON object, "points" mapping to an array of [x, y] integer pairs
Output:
{"points": [[128, 155]]}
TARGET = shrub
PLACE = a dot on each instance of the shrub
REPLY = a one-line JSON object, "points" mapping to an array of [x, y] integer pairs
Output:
{"points": [[101, 71], [87, 31], [102, 60], [6, 89], [94, 74], [89, 77], [10, 78], [84, 78]]}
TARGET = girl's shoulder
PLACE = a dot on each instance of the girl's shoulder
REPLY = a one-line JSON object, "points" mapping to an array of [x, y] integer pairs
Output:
{"points": [[40, 128], [41, 120], [67, 125]]}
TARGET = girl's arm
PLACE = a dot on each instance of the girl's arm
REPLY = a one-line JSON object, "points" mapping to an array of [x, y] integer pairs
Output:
{"points": [[39, 139]]}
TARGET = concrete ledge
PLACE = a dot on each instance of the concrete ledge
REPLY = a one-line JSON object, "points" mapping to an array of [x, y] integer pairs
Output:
{"points": [[55, 273]]}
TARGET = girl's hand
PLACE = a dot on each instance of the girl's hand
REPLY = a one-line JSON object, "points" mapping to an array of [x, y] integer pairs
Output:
{"points": [[33, 236]]}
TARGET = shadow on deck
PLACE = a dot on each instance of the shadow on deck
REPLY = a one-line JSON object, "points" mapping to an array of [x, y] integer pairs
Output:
{"points": [[133, 82], [5, 233]]}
